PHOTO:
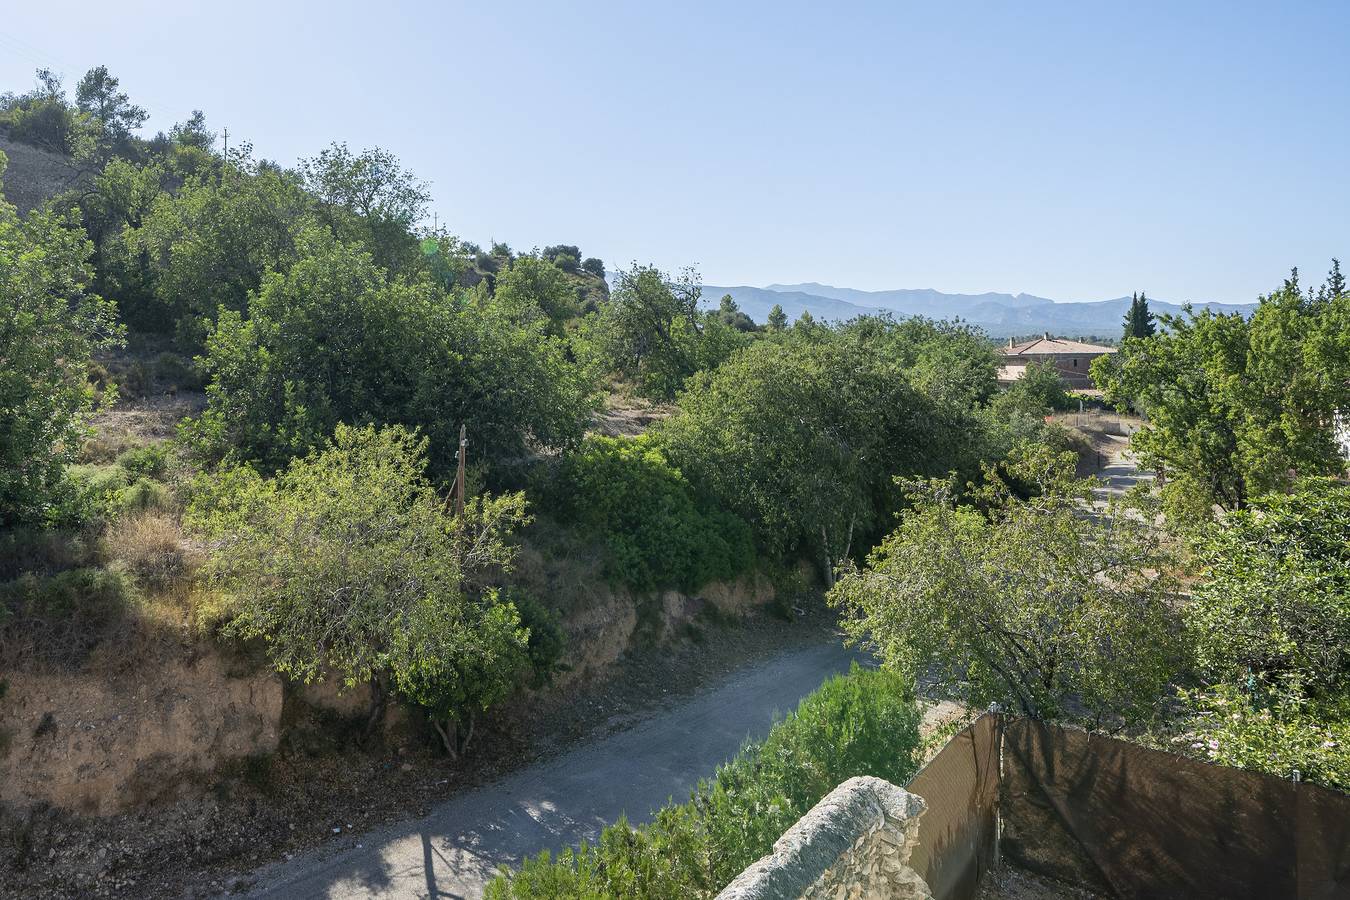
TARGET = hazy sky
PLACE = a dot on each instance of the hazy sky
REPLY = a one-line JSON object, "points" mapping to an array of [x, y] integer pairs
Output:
{"points": [[1076, 150]]}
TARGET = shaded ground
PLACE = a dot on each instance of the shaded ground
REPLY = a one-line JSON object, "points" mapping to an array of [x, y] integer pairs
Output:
{"points": [[456, 849], [278, 807], [1009, 883]]}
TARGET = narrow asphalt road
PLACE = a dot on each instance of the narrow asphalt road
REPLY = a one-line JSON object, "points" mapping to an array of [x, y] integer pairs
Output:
{"points": [[559, 802]]}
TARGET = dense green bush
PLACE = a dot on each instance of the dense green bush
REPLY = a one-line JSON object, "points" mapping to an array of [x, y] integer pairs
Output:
{"points": [[335, 340], [1270, 620], [658, 536], [865, 723], [52, 326]]}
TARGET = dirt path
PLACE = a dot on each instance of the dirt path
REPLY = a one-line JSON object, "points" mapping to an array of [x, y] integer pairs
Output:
{"points": [[456, 849]]}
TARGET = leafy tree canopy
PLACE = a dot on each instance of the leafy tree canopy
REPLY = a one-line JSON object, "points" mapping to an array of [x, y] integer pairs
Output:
{"points": [[1237, 407], [348, 563], [50, 324], [333, 340], [1028, 603]]}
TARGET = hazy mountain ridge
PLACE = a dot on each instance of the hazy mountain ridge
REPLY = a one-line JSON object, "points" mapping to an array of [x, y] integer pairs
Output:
{"points": [[998, 313]]}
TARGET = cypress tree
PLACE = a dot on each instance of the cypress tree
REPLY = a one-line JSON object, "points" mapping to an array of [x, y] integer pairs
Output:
{"points": [[1139, 321]]}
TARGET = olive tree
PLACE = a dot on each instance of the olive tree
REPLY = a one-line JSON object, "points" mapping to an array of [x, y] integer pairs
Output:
{"points": [[348, 564], [1028, 603]]}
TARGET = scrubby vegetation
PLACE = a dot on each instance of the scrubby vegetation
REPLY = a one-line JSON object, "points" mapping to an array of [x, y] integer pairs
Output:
{"points": [[863, 723], [325, 348]]}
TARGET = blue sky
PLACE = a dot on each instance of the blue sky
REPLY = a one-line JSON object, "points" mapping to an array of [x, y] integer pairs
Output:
{"points": [[1075, 151]]}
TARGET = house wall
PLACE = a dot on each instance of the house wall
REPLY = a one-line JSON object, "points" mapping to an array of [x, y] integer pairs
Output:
{"points": [[1074, 368]]}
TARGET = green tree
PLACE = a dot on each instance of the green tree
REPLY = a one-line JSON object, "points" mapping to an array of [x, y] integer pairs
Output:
{"points": [[657, 533], [371, 198], [778, 320], [731, 315], [348, 564], [1238, 407], [653, 332], [1041, 387], [533, 289], [1139, 322], [593, 266], [110, 110], [1027, 603], [801, 439], [50, 325], [44, 118], [209, 245], [333, 340], [1273, 598]]}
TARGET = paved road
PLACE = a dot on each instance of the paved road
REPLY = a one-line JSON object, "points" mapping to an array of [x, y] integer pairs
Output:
{"points": [[455, 850], [1120, 474]]}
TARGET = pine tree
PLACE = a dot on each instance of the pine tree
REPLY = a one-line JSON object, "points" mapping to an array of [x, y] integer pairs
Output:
{"points": [[777, 318], [1335, 280], [1139, 321]]}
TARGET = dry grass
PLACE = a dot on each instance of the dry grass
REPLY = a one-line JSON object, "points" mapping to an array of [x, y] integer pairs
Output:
{"points": [[151, 546], [42, 551]]}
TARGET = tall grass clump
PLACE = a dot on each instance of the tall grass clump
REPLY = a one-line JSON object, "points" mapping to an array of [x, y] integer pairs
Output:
{"points": [[863, 723]]}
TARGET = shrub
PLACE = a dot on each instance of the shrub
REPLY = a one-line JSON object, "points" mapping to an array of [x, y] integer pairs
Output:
{"points": [[141, 494], [865, 723], [151, 547], [1271, 728], [547, 639], [58, 620], [41, 551], [173, 369], [658, 536], [348, 565], [149, 461]]}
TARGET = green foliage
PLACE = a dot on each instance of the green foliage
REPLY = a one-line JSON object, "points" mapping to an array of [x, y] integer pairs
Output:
{"points": [[1271, 727], [56, 620], [533, 289], [1237, 406], [44, 118], [1040, 389], [565, 256], [208, 245], [347, 563], [653, 333], [801, 438], [369, 198], [547, 639], [110, 111], [53, 325], [334, 341], [777, 320], [1270, 617], [658, 535], [865, 723], [1274, 594], [1025, 602], [730, 315], [594, 266], [1139, 322]]}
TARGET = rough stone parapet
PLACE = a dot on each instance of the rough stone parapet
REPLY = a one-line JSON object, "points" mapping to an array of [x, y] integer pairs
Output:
{"points": [[854, 844]]}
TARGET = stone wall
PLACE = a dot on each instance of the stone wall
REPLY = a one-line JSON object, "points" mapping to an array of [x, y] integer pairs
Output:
{"points": [[854, 844]]}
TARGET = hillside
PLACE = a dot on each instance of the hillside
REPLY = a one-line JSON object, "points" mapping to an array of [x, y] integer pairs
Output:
{"points": [[34, 175], [1001, 315]]}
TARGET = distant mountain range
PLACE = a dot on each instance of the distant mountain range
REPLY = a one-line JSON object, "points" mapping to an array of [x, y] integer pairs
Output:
{"points": [[1001, 315]]}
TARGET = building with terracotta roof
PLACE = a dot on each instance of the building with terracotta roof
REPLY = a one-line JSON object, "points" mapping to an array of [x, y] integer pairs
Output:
{"points": [[1073, 359]]}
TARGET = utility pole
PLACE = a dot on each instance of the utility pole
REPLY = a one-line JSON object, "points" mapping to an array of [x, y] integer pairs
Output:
{"points": [[459, 473], [227, 143]]}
